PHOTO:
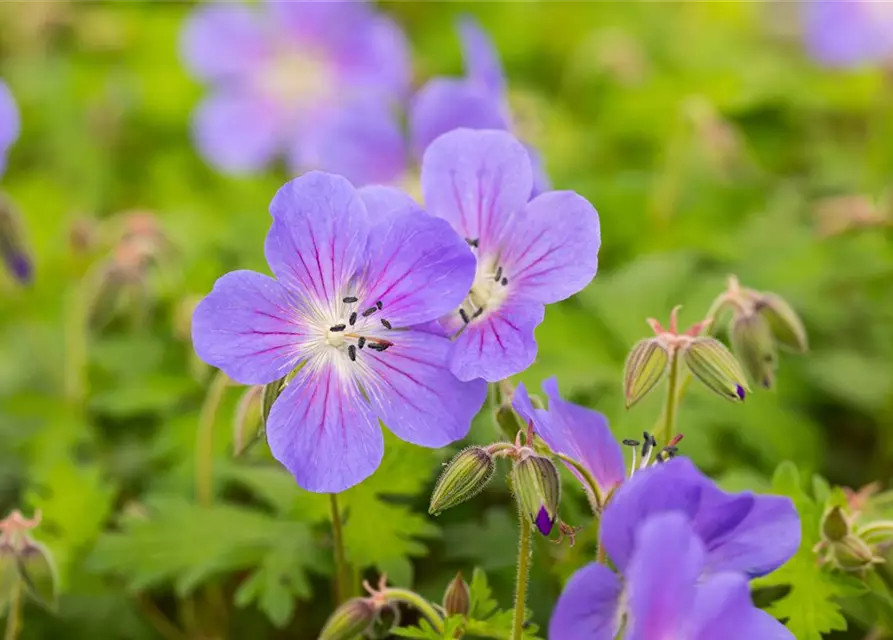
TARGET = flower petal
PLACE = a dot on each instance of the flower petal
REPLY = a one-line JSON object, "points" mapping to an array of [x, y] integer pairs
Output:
{"points": [[224, 41], [662, 576], [248, 328], [445, 104], [9, 119], [418, 268], [584, 435], [842, 33], [551, 250], [587, 608], [499, 344], [382, 201], [319, 234], [415, 394], [723, 609], [478, 181], [237, 133], [359, 139], [482, 64], [541, 181], [378, 59], [323, 431]]}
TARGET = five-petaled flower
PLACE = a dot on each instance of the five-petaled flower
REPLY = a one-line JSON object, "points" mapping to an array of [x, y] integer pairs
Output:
{"points": [[684, 550], [529, 254], [360, 279], [848, 33], [314, 81], [476, 101], [9, 123]]}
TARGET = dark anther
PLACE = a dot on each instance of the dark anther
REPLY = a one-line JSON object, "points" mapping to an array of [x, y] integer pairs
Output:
{"points": [[463, 315], [478, 312], [631, 443], [379, 346], [361, 342], [349, 300], [498, 276], [368, 312], [379, 304], [338, 327], [387, 325], [472, 242], [352, 352], [650, 439], [353, 318], [505, 281], [670, 451]]}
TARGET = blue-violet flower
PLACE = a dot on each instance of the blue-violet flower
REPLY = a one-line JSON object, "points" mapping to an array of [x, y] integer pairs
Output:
{"points": [[9, 123], [849, 33]]}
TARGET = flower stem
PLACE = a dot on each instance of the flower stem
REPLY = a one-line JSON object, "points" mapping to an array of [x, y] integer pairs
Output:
{"points": [[14, 615], [524, 553], [668, 429], [424, 607], [342, 581], [204, 448]]}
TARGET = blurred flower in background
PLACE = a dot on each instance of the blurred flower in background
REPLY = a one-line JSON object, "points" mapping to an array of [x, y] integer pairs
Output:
{"points": [[476, 101], [315, 82], [848, 33], [9, 123]]}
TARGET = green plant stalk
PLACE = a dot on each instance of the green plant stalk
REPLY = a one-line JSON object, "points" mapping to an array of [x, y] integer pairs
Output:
{"points": [[423, 606], [668, 428], [524, 553], [204, 448], [14, 616], [342, 580]]}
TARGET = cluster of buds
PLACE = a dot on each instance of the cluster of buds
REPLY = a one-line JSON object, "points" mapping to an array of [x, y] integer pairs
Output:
{"points": [[761, 324], [534, 480], [706, 358], [14, 252], [26, 566], [851, 540]]}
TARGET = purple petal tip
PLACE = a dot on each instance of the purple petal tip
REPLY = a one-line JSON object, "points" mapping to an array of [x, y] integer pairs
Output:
{"points": [[20, 266], [544, 522], [740, 391]]}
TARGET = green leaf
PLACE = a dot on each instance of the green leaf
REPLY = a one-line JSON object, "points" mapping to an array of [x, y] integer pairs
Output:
{"points": [[811, 608]]}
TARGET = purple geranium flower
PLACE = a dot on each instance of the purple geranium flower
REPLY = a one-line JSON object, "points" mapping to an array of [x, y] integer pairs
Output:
{"points": [[9, 123], [529, 254], [575, 431], [477, 101], [353, 280], [848, 33], [315, 81], [663, 594], [668, 529]]}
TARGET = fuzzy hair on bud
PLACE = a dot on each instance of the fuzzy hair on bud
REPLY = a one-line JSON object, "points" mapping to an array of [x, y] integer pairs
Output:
{"points": [[645, 366], [784, 323], [464, 477], [713, 364], [538, 489], [349, 621]]}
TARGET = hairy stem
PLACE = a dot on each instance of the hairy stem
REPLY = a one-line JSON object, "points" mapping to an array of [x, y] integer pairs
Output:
{"points": [[204, 448], [668, 429], [423, 606], [342, 579], [524, 553]]}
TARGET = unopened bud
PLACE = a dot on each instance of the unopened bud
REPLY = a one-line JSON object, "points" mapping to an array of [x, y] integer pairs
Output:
{"points": [[853, 554], [645, 366], [538, 488], [38, 571], [783, 321], [835, 525], [754, 345], [714, 365], [9, 574], [457, 597], [13, 251], [464, 477], [349, 621], [876, 533]]}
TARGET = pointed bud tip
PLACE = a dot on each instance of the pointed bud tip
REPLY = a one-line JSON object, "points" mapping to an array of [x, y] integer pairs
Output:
{"points": [[464, 477], [349, 621], [457, 597], [713, 365], [544, 522], [645, 367], [538, 490]]}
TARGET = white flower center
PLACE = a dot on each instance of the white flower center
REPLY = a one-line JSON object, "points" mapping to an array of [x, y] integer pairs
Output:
{"points": [[296, 78], [488, 291], [349, 327]]}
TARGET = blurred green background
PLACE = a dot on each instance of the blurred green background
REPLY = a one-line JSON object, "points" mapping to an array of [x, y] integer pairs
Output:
{"points": [[710, 145]]}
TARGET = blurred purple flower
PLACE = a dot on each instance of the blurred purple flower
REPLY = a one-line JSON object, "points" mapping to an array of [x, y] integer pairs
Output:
{"points": [[576, 431], [662, 594], [9, 123], [529, 254], [317, 82], [477, 101], [849, 33], [355, 271]]}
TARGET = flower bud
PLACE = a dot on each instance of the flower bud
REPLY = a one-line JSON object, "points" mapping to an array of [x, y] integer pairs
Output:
{"points": [[508, 421], [853, 554], [349, 621], [835, 525], [783, 321], [753, 343], [879, 532], [9, 574], [464, 477], [457, 597], [714, 365], [39, 574], [538, 489], [13, 250], [645, 366]]}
